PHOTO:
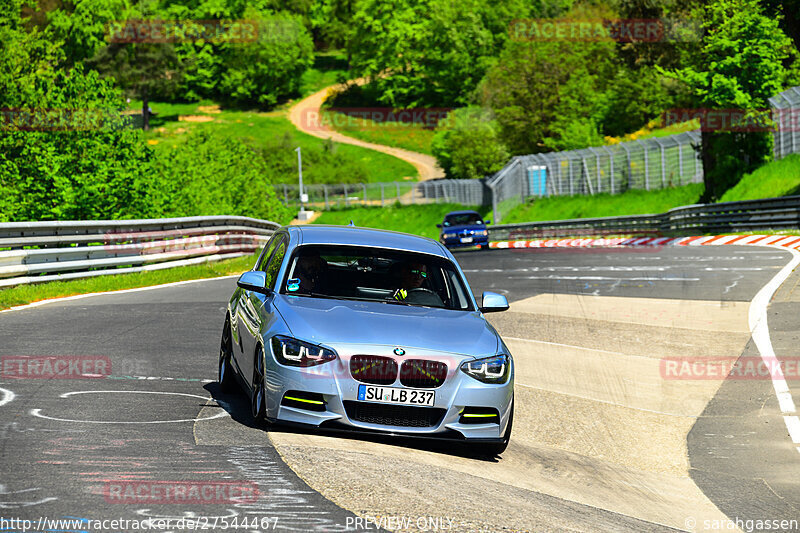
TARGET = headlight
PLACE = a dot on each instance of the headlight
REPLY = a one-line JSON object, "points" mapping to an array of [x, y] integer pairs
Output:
{"points": [[482, 233], [490, 369], [449, 235], [292, 352]]}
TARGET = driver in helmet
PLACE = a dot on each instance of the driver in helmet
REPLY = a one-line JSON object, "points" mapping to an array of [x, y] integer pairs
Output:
{"points": [[410, 275]]}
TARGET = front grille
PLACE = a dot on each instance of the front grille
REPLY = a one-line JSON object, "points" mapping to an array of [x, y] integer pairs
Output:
{"points": [[373, 369], [422, 374], [394, 415]]}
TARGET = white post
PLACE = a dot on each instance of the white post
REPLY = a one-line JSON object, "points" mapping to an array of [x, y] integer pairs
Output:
{"points": [[300, 173]]}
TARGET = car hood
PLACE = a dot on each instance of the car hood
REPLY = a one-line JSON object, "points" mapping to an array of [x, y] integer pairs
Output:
{"points": [[333, 322]]}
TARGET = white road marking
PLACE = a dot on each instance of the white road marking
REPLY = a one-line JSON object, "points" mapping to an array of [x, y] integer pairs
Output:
{"points": [[759, 329], [38, 412], [603, 278], [793, 425], [8, 396], [616, 268], [572, 395], [123, 291], [519, 339]]}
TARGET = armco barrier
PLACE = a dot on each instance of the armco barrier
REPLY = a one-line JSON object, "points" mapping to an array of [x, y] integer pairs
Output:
{"points": [[747, 215], [35, 252]]}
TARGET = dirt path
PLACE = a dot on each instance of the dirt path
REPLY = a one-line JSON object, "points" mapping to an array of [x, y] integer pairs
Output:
{"points": [[300, 115]]}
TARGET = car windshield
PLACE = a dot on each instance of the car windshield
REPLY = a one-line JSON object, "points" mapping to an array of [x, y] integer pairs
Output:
{"points": [[463, 219], [375, 274]]}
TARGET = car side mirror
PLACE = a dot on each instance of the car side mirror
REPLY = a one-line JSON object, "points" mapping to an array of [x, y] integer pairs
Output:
{"points": [[487, 221], [439, 226], [493, 302], [255, 281]]}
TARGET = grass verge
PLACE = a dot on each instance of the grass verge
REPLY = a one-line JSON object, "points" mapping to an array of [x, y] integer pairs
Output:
{"points": [[632, 202], [25, 294], [273, 134], [329, 69], [415, 219], [409, 136], [777, 178]]}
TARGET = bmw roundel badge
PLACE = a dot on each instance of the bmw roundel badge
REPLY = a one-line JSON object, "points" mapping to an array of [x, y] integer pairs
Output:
{"points": [[399, 351]]}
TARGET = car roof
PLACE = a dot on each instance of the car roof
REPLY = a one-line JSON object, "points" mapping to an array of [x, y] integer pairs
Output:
{"points": [[357, 236], [462, 213]]}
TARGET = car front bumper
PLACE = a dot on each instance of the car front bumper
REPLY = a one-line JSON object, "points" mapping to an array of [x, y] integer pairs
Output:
{"points": [[456, 242], [342, 409]]}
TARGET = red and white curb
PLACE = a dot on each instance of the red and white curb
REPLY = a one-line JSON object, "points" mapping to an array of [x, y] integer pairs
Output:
{"points": [[785, 241]]}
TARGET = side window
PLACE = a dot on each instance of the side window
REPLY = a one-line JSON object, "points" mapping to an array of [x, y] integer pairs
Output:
{"points": [[275, 264], [262, 260]]}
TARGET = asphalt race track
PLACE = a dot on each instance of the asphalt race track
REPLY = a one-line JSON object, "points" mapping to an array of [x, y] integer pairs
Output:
{"points": [[605, 438]]}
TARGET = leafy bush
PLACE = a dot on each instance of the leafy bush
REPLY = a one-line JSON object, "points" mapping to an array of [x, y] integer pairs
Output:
{"points": [[467, 144], [321, 164], [213, 174], [436, 50], [65, 153], [739, 66], [264, 71]]}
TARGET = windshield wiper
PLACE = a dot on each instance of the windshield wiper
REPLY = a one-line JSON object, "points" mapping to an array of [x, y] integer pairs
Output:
{"points": [[313, 295]]}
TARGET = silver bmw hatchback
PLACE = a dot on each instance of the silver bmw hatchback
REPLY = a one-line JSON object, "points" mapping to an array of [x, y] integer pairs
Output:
{"points": [[370, 330]]}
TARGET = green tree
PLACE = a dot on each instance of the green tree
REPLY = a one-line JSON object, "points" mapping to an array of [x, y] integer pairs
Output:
{"points": [[64, 150], [428, 52], [82, 26], [539, 89], [269, 69], [467, 144], [214, 174], [332, 22], [70, 156], [145, 70], [739, 66]]}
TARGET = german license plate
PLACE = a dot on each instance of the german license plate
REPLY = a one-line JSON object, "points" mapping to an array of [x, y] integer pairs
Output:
{"points": [[371, 393], [466, 239]]}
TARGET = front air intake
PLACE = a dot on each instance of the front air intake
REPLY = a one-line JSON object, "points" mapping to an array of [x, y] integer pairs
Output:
{"points": [[394, 415], [309, 401]]}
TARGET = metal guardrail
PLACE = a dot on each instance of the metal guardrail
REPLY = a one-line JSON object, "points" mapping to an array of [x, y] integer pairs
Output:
{"points": [[326, 196], [747, 215], [36, 252]]}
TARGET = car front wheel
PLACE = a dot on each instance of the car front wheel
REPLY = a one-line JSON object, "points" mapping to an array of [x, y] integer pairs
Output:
{"points": [[258, 400], [227, 381]]}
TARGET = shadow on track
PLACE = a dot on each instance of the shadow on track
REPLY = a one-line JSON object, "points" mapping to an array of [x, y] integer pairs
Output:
{"points": [[238, 406]]}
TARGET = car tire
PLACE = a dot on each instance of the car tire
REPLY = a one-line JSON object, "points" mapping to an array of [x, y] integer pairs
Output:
{"points": [[258, 400], [496, 448], [227, 381]]}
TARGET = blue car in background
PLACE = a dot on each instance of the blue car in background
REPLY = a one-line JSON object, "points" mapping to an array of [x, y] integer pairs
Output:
{"points": [[464, 228]]}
